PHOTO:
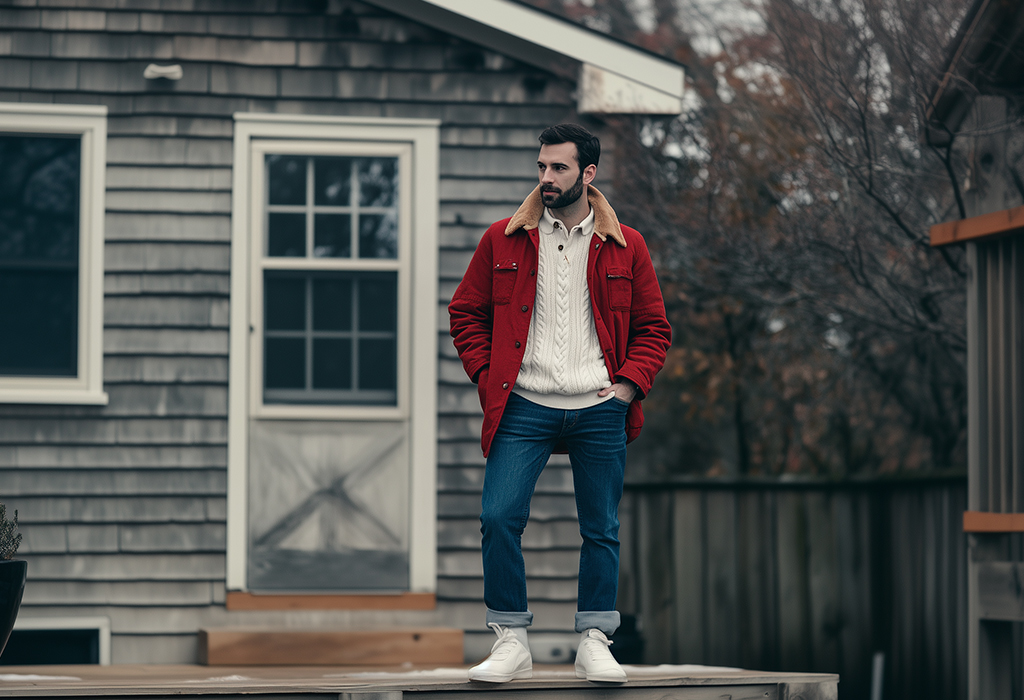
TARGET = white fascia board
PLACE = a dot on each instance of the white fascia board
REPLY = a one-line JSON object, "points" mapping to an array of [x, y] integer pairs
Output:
{"points": [[537, 38]]}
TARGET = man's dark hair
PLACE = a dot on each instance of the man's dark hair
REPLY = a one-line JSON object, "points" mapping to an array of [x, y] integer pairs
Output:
{"points": [[588, 147]]}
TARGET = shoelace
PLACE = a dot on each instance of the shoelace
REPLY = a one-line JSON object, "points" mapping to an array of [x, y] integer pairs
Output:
{"points": [[505, 634], [599, 638]]}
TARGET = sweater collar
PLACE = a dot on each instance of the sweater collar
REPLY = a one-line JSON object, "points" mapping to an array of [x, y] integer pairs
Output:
{"points": [[606, 224], [548, 224]]}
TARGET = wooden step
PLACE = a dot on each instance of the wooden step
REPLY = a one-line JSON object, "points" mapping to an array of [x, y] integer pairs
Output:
{"points": [[276, 647]]}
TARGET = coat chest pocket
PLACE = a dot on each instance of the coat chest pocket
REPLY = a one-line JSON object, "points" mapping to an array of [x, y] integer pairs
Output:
{"points": [[620, 288], [503, 281]]}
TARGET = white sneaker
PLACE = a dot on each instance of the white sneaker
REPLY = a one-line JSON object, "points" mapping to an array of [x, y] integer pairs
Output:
{"points": [[594, 661], [509, 659]]}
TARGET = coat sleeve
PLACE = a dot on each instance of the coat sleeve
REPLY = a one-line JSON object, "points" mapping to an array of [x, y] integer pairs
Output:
{"points": [[650, 334], [471, 314]]}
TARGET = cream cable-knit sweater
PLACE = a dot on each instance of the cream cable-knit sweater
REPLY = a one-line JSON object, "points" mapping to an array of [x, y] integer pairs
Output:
{"points": [[562, 365]]}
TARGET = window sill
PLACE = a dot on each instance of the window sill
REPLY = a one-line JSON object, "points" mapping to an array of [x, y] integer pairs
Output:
{"points": [[54, 396]]}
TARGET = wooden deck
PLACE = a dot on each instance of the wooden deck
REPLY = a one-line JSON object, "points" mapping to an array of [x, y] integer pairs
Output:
{"points": [[398, 682]]}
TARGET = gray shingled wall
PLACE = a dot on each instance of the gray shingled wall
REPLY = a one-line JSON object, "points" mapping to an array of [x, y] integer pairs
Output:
{"points": [[123, 506]]}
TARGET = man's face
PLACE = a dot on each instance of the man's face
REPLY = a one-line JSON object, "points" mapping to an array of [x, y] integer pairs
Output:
{"points": [[561, 180]]}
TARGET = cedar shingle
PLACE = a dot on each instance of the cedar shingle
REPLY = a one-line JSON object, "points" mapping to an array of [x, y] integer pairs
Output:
{"points": [[30, 44], [242, 80], [92, 538], [123, 21], [86, 20], [19, 18], [173, 537], [15, 73]]}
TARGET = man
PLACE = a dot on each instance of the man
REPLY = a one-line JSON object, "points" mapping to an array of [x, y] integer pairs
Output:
{"points": [[560, 322]]}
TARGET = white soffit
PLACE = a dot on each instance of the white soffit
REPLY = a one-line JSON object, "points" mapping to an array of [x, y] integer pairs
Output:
{"points": [[612, 77]]}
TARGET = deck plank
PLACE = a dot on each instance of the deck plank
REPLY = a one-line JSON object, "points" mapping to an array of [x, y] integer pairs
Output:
{"points": [[688, 682]]}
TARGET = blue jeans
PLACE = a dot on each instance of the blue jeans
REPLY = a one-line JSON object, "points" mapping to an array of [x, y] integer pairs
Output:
{"points": [[595, 438]]}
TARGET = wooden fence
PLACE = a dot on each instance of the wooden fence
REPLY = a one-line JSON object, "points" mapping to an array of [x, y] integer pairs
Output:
{"points": [[803, 576]]}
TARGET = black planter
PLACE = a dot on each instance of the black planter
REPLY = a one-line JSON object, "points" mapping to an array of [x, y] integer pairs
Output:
{"points": [[12, 586]]}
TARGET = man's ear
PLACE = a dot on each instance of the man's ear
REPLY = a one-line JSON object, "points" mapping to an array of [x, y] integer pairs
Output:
{"points": [[589, 173]]}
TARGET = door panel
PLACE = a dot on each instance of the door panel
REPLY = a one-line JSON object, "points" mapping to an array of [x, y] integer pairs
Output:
{"points": [[328, 506]]}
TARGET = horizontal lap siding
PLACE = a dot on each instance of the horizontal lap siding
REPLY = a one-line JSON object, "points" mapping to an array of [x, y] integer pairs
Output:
{"points": [[123, 507]]}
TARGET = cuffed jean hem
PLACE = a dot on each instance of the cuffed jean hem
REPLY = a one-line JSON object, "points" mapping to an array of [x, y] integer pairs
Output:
{"points": [[514, 619], [606, 621]]}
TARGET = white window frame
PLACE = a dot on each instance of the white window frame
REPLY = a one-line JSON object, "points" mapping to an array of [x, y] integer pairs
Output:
{"points": [[90, 123], [416, 143]]}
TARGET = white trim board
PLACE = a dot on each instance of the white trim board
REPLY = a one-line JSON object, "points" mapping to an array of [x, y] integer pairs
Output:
{"points": [[613, 77]]}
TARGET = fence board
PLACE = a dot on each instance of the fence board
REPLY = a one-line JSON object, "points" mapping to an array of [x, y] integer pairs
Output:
{"points": [[794, 625], [721, 595], [751, 556], [688, 556], [823, 571], [657, 594]]}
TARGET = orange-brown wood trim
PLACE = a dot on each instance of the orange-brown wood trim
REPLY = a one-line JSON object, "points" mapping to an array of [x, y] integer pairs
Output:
{"points": [[998, 223], [242, 600], [976, 521]]}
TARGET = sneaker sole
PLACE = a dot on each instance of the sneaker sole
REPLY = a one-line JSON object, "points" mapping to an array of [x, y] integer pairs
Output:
{"points": [[594, 678], [518, 676]]}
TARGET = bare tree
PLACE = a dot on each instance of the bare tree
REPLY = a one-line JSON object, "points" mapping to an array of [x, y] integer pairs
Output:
{"points": [[816, 330]]}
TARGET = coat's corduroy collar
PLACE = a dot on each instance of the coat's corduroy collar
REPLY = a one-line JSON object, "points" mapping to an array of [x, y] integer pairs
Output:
{"points": [[606, 224]]}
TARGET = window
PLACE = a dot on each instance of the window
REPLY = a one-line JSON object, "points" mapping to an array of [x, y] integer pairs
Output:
{"points": [[332, 416], [51, 257], [331, 337], [331, 302]]}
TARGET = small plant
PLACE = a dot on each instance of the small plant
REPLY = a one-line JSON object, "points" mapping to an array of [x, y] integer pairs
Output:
{"points": [[10, 538]]}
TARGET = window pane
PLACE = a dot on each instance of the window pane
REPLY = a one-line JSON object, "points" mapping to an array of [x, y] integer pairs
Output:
{"points": [[287, 179], [285, 299], [333, 181], [39, 318], [332, 236], [378, 181], [378, 236], [377, 364], [378, 303], [286, 235], [285, 363], [332, 363], [40, 180], [332, 303]]}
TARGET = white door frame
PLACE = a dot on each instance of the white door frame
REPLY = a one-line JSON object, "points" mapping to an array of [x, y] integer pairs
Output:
{"points": [[422, 136]]}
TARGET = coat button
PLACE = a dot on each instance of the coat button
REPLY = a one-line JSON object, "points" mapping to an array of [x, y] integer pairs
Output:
{"points": [[525, 307], [504, 385], [596, 246], [517, 343], [532, 273], [560, 247]]}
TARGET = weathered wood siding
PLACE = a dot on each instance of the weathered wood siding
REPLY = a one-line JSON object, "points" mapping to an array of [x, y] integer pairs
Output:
{"points": [[809, 577], [123, 506]]}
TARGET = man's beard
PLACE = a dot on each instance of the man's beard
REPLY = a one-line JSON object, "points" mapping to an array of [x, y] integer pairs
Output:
{"points": [[563, 199]]}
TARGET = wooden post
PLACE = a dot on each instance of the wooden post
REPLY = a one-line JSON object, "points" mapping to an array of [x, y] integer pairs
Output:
{"points": [[989, 641]]}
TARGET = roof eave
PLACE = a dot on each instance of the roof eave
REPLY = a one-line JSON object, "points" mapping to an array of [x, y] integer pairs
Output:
{"points": [[612, 77]]}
